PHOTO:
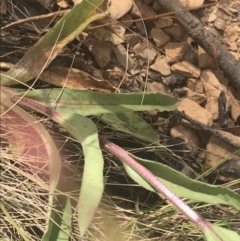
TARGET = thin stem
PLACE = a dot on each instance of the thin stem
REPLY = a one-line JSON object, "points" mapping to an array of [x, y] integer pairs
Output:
{"points": [[158, 185]]}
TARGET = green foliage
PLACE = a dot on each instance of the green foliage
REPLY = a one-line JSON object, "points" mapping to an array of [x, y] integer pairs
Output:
{"points": [[226, 235], [89, 102], [60, 219], [85, 131], [184, 186]]}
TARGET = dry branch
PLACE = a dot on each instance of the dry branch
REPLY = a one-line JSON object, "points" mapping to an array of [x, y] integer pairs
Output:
{"points": [[193, 27]]}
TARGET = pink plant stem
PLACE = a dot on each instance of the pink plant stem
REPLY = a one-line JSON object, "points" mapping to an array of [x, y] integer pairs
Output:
{"points": [[123, 156], [158, 185]]}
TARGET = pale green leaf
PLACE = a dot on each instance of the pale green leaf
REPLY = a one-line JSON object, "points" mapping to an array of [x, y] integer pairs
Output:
{"points": [[85, 131], [225, 234], [184, 186], [94, 103]]}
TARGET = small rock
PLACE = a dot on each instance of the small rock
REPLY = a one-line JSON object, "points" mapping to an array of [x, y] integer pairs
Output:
{"points": [[195, 85], [233, 10], [235, 107], [222, 149], [142, 10], [132, 39], [219, 24], [152, 112], [222, 14], [173, 79], [179, 92], [144, 51], [198, 98], [118, 8], [154, 75], [114, 34], [205, 60], [190, 4], [175, 31], [156, 87], [212, 17], [222, 79], [231, 34], [126, 20], [237, 28], [159, 37], [212, 88], [186, 69], [113, 74], [188, 135], [231, 46], [156, 6], [101, 51], [163, 22], [191, 57], [194, 110], [210, 83], [175, 50], [122, 57], [161, 66]]}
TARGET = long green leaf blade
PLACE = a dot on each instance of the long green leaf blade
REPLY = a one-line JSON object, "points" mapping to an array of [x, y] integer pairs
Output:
{"points": [[47, 48], [60, 226], [94, 103], [225, 234], [184, 186], [84, 130]]}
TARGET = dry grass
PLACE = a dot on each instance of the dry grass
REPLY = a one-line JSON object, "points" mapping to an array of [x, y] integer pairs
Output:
{"points": [[127, 211]]}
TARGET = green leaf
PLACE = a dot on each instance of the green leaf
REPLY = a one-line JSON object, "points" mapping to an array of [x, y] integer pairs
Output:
{"points": [[61, 220], [131, 123], [225, 234], [47, 48], [94, 103], [184, 186], [85, 131]]}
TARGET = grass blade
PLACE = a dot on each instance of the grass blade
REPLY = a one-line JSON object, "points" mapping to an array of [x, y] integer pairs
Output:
{"points": [[94, 103], [47, 48]]}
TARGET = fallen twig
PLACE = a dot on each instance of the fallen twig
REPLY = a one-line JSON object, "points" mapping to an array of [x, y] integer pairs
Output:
{"points": [[226, 61], [206, 128]]}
